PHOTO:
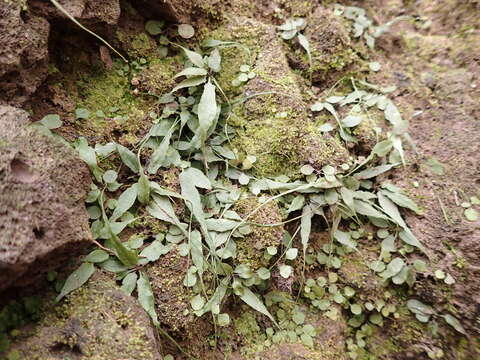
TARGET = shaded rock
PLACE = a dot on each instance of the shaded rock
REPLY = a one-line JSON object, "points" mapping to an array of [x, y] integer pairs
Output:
{"points": [[97, 321], [178, 11], [89, 11], [43, 184], [23, 53]]}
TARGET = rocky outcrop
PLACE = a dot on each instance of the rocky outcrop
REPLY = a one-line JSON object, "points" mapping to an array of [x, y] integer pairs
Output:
{"points": [[43, 184], [97, 321], [23, 53]]}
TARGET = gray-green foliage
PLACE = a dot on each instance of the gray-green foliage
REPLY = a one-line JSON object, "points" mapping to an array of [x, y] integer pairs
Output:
{"points": [[362, 26], [292, 28], [193, 136]]}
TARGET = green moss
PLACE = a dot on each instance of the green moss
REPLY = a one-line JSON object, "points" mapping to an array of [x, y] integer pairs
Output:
{"points": [[16, 314], [171, 296], [97, 320], [247, 34], [282, 138], [157, 78], [251, 248], [110, 92], [138, 44]]}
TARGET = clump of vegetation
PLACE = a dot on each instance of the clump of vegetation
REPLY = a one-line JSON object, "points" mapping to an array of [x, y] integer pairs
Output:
{"points": [[233, 229]]}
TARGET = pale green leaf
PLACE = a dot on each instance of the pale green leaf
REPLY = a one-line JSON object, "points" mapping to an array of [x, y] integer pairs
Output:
{"points": [[125, 202], [76, 279], [146, 298], [128, 158], [254, 302], [129, 283]]}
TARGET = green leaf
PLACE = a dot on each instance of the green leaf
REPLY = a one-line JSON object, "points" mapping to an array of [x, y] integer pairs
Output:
{"points": [[298, 317], [306, 45], [344, 238], [154, 27], [197, 302], [143, 188], [161, 208], [110, 176], [128, 257], [51, 121], [196, 250], [129, 283], [373, 172], [215, 60], [351, 121], [207, 110], [453, 322], [128, 158], [306, 226], [471, 214], [291, 254], [82, 113], [190, 179], [347, 197], [391, 210], [223, 319], [393, 268], [402, 200], [263, 273], [192, 71], [96, 256], [87, 154], [374, 66], [285, 271], [296, 204], [194, 57], [76, 279], [159, 155], [156, 249], [364, 208], [220, 225], [186, 31], [125, 202], [146, 298], [190, 82], [420, 308], [254, 302], [410, 239]]}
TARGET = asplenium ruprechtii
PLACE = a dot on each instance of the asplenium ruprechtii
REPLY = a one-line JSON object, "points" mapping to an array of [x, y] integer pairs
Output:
{"points": [[191, 134]]}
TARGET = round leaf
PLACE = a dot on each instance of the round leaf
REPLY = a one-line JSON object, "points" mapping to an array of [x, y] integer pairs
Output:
{"points": [[186, 31], [154, 27], [197, 302], [51, 121]]}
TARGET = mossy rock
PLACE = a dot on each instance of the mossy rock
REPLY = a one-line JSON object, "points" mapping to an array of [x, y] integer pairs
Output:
{"points": [[124, 113], [251, 248], [157, 78], [43, 184], [97, 322], [172, 298], [272, 123], [332, 50]]}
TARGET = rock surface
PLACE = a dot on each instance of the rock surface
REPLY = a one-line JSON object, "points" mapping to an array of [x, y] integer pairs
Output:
{"points": [[23, 53], [98, 321], [43, 184]]}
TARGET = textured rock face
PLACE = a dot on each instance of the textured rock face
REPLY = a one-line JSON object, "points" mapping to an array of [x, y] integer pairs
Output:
{"points": [[23, 53], [97, 322], [42, 187], [24, 36]]}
